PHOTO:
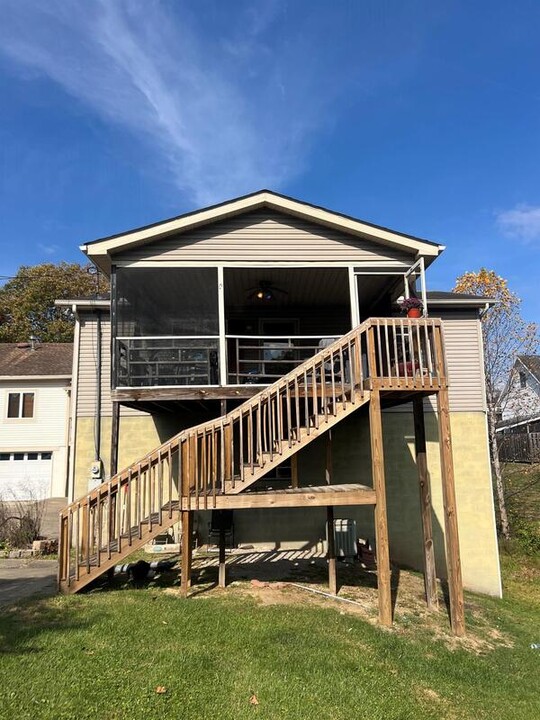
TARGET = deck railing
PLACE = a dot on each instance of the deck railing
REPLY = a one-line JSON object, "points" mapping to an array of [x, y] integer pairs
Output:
{"points": [[166, 361], [406, 353], [260, 360], [223, 455]]}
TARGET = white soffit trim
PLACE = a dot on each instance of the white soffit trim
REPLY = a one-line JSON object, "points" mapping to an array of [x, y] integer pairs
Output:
{"points": [[83, 303], [270, 200]]}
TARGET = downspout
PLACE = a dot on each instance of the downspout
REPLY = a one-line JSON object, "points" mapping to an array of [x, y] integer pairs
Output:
{"points": [[73, 411], [97, 423]]}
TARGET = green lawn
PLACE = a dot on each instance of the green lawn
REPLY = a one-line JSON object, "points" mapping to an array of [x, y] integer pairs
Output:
{"points": [[522, 492], [102, 655]]}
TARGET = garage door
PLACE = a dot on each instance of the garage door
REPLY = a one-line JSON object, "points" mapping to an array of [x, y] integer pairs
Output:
{"points": [[25, 475]]}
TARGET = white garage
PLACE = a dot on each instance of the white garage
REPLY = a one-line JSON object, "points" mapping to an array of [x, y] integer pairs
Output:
{"points": [[35, 394], [25, 475]]}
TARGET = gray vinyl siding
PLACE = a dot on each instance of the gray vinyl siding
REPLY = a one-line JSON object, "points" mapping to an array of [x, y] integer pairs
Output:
{"points": [[87, 374], [263, 236], [463, 346]]}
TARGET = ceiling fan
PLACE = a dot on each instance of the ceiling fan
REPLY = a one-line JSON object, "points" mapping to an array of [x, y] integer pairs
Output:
{"points": [[265, 291]]}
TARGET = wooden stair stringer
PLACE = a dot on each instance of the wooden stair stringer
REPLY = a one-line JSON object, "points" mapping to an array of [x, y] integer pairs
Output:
{"points": [[325, 423], [106, 563]]}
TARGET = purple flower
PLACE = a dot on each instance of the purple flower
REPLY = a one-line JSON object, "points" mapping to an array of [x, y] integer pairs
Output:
{"points": [[410, 303]]}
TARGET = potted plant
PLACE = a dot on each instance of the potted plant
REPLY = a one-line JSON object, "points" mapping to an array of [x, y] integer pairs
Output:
{"points": [[413, 307]]}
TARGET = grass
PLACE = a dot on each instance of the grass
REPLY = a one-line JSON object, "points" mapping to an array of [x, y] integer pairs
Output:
{"points": [[522, 492], [522, 488], [102, 655]]}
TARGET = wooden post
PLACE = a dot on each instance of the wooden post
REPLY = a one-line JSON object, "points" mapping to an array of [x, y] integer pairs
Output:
{"points": [[227, 440], [114, 437], [453, 562], [331, 556], [381, 522], [85, 532], [187, 526], [332, 575], [222, 576], [430, 577], [294, 470], [372, 355], [63, 551]]}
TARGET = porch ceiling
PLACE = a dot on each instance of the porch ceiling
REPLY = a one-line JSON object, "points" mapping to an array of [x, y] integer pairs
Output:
{"points": [[305, 286], [312, 287]]}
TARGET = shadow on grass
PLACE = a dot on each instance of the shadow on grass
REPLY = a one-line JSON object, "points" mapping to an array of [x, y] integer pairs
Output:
{"points": [[20, 579], [26, 629], [265, 567]]}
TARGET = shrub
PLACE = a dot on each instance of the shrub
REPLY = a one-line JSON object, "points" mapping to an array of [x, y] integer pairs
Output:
{"points": [[20, 523]]}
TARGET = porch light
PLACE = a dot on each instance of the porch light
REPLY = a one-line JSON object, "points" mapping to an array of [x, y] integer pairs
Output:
{"points": [[264, 291]]}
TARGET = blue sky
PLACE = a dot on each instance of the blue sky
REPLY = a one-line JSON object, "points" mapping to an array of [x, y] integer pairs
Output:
{"points": [[423, 116]]}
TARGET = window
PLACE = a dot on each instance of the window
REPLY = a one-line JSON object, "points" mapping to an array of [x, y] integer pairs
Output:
{"points": [[25, 456], [20, 405], [522, 380]]}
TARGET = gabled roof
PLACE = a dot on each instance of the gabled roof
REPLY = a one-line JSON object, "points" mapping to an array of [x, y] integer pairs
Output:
{"points": [[100, 250], [46, 360], [531, 363]]}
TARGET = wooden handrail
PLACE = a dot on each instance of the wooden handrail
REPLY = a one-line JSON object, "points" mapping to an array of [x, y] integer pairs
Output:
{"points": [[222, 455]]}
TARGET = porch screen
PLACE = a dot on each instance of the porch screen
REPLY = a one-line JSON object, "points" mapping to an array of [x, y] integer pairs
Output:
{"points": [[166, 301]]}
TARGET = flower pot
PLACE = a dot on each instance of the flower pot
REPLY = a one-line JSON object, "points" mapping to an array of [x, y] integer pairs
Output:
{"points": [[414, 312]]}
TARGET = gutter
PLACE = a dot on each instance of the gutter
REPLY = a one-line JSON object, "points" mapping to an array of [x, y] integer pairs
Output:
{"points": [[74, 304], [33, 378]]}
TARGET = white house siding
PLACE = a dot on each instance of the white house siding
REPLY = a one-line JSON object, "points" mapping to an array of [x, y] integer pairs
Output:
{"points": [[259, 236], [521, 402], [45, 432]]}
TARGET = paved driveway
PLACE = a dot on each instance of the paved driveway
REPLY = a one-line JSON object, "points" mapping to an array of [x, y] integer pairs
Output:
{"points": [[20, 579]]}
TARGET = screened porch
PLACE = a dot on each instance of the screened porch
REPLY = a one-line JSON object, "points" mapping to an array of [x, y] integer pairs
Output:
{"points": [[216, 327]]}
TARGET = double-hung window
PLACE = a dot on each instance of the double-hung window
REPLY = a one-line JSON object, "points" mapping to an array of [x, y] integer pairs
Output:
{"points": [[20, 405]]}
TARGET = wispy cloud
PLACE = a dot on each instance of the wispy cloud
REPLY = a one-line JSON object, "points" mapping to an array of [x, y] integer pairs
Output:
{"points": [[152, 72], [229, 96], [523, 222], [48, 249]]}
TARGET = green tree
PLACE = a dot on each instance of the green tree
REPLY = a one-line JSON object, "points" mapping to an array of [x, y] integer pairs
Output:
{"points": [[27, 301], [506, 334]]}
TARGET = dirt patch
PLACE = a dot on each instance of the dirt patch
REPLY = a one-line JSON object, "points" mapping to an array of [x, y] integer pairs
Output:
{"points": [[271, 579]]}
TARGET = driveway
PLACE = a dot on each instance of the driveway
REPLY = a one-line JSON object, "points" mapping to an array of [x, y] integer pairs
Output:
{"points": [[21, 579]]}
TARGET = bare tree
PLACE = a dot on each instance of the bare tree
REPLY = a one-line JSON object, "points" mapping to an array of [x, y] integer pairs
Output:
{"points": [[20, 520], [506, 334]]}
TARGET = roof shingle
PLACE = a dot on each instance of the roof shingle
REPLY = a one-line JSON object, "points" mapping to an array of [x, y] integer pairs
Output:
{"points": [[532, 363], [18, 359]]}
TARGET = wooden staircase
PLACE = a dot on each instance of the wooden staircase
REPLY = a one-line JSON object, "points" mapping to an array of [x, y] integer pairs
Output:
{"points": [[205, 466]]}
